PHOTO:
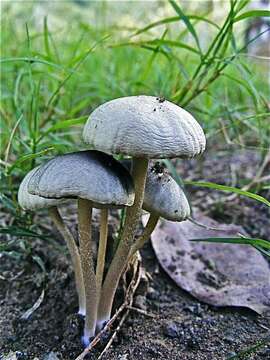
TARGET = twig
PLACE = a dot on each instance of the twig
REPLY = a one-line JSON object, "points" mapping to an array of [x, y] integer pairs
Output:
{"points": [[191, 219], [141, 311], [26, 315], [17, 275], [121, 322]]}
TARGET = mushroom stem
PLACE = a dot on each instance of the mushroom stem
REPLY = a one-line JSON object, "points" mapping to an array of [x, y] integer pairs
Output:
{"points": [[85, 236], [74, 253], [149, 228], [102, 249], [121, 257]]}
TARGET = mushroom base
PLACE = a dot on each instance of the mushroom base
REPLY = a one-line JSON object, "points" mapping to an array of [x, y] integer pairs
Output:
{"points": [[102, 322], [87, 337], [82, 311]]}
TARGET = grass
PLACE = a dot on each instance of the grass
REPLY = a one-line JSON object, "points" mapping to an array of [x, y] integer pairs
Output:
{"points": [[53, 77]]}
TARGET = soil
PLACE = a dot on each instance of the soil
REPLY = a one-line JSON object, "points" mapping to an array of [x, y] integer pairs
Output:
{"points": [[180, 327]]}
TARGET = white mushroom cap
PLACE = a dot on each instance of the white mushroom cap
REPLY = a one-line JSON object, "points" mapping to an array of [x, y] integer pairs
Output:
{"points": [[90, 175], [33, 202], [163, 196], [144, 126]]}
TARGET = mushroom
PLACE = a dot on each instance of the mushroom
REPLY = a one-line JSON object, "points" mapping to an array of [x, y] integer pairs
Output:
{"points": [[97, 180], [35, 202], [163, 197], [143, 127]]}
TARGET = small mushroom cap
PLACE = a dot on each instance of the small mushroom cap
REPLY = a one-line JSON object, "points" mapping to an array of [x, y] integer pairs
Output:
{"points": [[144, 126], [163, 196], [90, 175], [33, 202]]}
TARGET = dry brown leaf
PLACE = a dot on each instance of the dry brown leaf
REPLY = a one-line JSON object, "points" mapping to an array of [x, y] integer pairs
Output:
{"points": [[218, 274]]}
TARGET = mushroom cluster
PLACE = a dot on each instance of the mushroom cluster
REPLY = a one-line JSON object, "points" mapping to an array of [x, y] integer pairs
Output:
{"points": [[141, 128]]}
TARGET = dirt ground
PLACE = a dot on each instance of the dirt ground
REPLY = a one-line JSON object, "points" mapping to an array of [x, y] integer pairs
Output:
{"points": [[180, 327]]}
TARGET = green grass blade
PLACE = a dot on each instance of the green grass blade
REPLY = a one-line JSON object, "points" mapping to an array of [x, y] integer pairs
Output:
{"points": [[28, 157], [85, 55], [173, 44], [33, 60], [151, 60], [244, 84], [252, 13], [17, 231], [64, 125], [232, 189], [159, 42], [172, 20], [188, 24], [241, 4], [173, 172], [237, 240], [12, 134], [46, 38], [263, 251]]}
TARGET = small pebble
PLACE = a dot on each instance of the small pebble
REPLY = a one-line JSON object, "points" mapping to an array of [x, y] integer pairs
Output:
{"points": [[152, 294], [231, 354], [192, 343], [229, 339], [171, 330], [11, 338], [51, 356], [123, 357], [194, 309]]}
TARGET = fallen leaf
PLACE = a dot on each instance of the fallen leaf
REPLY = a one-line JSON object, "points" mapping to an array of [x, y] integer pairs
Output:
{"points": [[217, 274]]}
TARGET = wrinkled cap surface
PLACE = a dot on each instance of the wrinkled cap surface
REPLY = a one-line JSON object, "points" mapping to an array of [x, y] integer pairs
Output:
{"points": [[163, 196], [144, 126], [90, 175], [33, 202]]}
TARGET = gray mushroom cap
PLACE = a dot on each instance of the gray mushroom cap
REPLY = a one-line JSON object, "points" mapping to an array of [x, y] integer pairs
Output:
{"points": [[90, 175], [163, 196], [33, 202], [144, 126]]}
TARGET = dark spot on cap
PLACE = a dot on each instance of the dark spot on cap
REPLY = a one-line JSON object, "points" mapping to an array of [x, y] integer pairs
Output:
{"points": [[175, 211], [180, 252], [157, 168], [172, 268], [161, 99], [155, 109]]}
